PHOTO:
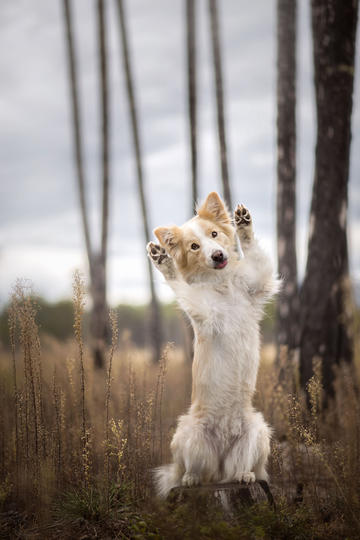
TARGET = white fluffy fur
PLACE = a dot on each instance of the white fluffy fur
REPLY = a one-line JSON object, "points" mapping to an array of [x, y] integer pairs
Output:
{"points": [[222, 438]]}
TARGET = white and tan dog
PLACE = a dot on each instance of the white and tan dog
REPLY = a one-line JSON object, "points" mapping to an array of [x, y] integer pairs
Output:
{"points": [[222, 438]]}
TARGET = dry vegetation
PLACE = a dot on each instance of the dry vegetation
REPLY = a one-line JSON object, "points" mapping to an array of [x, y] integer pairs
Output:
{"points": [[77, 445]]}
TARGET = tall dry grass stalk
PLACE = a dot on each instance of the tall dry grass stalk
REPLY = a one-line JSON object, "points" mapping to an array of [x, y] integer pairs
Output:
{"points": [[79, 305], [114, 340], [12, 336], [158, 401], [58, 430]]}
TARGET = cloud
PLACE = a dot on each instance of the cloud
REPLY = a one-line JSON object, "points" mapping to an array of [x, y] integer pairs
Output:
{"points": [[40, 228]]}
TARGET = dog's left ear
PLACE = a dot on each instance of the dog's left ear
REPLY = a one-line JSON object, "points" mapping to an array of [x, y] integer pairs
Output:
{"points": [[214, 209]]}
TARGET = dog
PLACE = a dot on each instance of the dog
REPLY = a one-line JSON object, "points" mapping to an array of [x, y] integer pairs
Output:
{"points": [[223, 290]]}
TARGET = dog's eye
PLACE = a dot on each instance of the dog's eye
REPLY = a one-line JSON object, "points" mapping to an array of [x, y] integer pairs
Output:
{"points": [[194, 246], [213, 234]]}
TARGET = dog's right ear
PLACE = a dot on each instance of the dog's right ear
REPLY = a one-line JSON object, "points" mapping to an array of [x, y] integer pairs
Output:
{"points": [[169, 237]]}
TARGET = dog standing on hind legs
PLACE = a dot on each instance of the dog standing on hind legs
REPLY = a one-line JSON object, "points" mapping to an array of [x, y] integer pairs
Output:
{"points": [[221, 438]]}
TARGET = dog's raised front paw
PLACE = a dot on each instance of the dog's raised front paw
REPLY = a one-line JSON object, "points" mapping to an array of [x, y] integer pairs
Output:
{"points": [[161, 260], [243, 224], [190, 479], [242, 216], [156, 253]]}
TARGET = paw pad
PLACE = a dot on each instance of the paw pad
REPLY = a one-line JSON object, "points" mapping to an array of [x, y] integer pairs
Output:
{"points": [[156, 253], [242, 216]]}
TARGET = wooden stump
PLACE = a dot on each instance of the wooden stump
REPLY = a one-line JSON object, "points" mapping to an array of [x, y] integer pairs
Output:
{"points": [[231, 497]]}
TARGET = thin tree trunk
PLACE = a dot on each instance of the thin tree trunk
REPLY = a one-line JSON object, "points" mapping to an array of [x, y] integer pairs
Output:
{"points": [[97, 263], [156, 334], [99, 322], [191, 72], [71, 59], [215, 41], [105, 128], [325, 310], [288, 301]]}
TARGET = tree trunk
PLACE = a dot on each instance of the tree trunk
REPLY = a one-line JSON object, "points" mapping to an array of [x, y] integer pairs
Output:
{"points": [[71, 59], [288, 301], [104, 129], [325, 310], [155, 326], [191, 72], [99, 318], [215, 41], [97, 267]]}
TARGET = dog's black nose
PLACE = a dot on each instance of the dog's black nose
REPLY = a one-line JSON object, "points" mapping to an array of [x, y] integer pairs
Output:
{"points": [[218, 256]]}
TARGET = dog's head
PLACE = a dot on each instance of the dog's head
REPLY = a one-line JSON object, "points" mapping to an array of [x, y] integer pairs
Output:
{"points": [[204, 244]]}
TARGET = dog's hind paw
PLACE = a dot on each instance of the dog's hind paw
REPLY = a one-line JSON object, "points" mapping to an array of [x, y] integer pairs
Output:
{"points": [[246, 477], [161, 260], [190, 479]]}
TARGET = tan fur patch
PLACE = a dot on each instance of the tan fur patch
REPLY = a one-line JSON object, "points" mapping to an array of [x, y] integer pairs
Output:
{"points": [[213, 209]]}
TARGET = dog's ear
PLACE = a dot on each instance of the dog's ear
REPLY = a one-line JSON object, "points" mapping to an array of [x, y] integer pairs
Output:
{"points": [[169, 237], [214, 209]]}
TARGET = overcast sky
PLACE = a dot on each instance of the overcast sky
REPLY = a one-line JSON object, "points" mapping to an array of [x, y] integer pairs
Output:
{"points": [[40, 230]]}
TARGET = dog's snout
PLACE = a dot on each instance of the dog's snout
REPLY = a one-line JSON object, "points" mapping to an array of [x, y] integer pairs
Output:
{"points": [[217, 256]]}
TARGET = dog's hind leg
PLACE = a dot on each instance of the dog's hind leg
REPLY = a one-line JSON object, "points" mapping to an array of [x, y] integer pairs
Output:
{"points": [[238, 464], [192, 447], [247, 457], [263, 451]]}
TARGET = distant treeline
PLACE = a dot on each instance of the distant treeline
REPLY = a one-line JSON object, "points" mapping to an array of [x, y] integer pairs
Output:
{"points": [[56, 319]]}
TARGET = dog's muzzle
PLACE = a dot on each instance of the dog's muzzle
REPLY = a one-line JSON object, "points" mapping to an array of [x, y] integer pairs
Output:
{"points": [[220, 261]]}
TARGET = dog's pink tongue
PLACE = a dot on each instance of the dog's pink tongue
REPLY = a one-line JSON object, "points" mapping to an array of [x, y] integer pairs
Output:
{"points": [[221, 265]]}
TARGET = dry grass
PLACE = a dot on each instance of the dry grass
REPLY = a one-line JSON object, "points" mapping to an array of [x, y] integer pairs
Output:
{"points": [[79, 444]]}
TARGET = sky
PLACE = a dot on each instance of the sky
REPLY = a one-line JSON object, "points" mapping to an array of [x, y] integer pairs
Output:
{"points": [[40, 228]]}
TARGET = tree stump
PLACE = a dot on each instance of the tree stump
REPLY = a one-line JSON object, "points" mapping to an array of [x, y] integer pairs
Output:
{"points": [[231, 497]]}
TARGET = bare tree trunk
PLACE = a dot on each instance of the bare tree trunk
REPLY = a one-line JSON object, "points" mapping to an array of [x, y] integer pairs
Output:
{"points": [[215, 40], [99, 316], [191, 72], [105, 128], [71, 59], [97, 263], [99, 324], [156, 333], [288, 301], [325, 311]]}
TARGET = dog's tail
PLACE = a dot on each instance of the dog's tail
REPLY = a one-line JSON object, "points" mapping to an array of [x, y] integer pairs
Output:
{"points": [[167, 477]]}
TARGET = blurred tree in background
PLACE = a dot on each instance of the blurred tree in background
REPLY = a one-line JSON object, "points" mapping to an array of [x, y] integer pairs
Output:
{"points": [[192, 98], [96, 259], [326, 309], [155, 318], [219, 90], [288, 300]]}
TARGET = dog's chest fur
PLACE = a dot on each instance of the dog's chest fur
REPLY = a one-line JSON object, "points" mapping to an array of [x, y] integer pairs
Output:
{"points": [[226, 328], [223, 307]]}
